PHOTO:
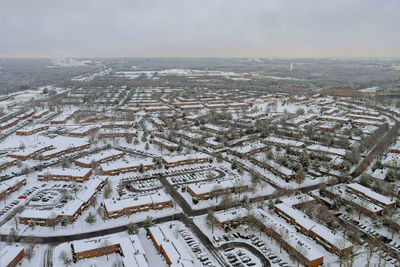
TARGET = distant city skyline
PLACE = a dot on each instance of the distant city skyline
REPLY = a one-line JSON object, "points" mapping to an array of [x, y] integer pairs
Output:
{"points": [[177, 28]]}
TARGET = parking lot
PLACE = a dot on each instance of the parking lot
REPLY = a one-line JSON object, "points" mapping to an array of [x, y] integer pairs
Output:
{"points": [[142, 185], [49, 197], [255, 241], [197, 250], [194, 176], [368, 229], [240, 257]]}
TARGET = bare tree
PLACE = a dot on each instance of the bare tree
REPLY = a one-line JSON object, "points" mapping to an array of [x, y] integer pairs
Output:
{"points": [[28, 252], [11, 236]]}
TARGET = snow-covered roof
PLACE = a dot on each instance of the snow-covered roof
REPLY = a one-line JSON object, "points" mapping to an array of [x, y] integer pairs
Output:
{"points": [[164, 237], [158, 196], [5, 185], [340, 190], [8, 254], [193, 156], [123, 163], [30, 150], [247, 148], [99, 156], [330, 150], [297, 241], [75, 172], [308, 224], [229, 215], [372, 194], [282, 141], [295, 200]]}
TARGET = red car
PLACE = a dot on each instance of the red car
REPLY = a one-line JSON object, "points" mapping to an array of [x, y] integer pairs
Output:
{"points": [[22, 197]]}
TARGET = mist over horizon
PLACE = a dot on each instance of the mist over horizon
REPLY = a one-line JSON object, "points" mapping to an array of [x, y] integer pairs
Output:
{"points": [[197, 29]]}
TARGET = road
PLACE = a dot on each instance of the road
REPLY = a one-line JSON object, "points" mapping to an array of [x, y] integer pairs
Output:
{"points": [[48, 257], [381, 146], [67, 238], [203, 239]]}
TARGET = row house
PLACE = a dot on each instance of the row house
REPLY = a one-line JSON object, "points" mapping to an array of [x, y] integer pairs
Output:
{"points": [[130, 248], [113, 133], [9, 186], [40, 114], [293, 242], [350, 198], [100, 157], [364, 117], [244, 151], [25, 115], [7, 162], [158, 122], [8, 123], [63, 117], [328, 150], [371, 196], [70, 211], [193, 137], [32, 130], [66, 174], [330, 111], [283, 142], [319, 233], [31, 151], [179, 160], [117, 124], [83, 131], [123, 166], [273, 166], [11, 256], [157, 109], [205, 190], [301, 120], [163, 143], [155, 200], [169, 246], [213, 144], [60, 151], [86, 249], [215, 129]]}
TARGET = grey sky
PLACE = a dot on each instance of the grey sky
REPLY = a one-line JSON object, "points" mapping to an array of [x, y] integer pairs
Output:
{"points": [[203, 28]]}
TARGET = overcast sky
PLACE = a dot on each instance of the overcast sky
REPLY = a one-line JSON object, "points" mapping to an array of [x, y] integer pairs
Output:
{"points": [[203, 28]]}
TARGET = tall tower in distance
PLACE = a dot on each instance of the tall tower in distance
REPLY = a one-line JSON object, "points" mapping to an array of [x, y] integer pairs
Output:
{"points": [[291, 66]]}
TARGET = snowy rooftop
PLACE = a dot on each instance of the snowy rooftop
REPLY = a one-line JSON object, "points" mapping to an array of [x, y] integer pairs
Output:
{"points": [[294, 239], [229, 215], [175, 250], [158, 196], [80, 172], [330, 150], [99, 156], [124, 163], [175, 158], [8, 254], [295, 200], [372, 194], [282, 141], [303, 220], [247, 148]]}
